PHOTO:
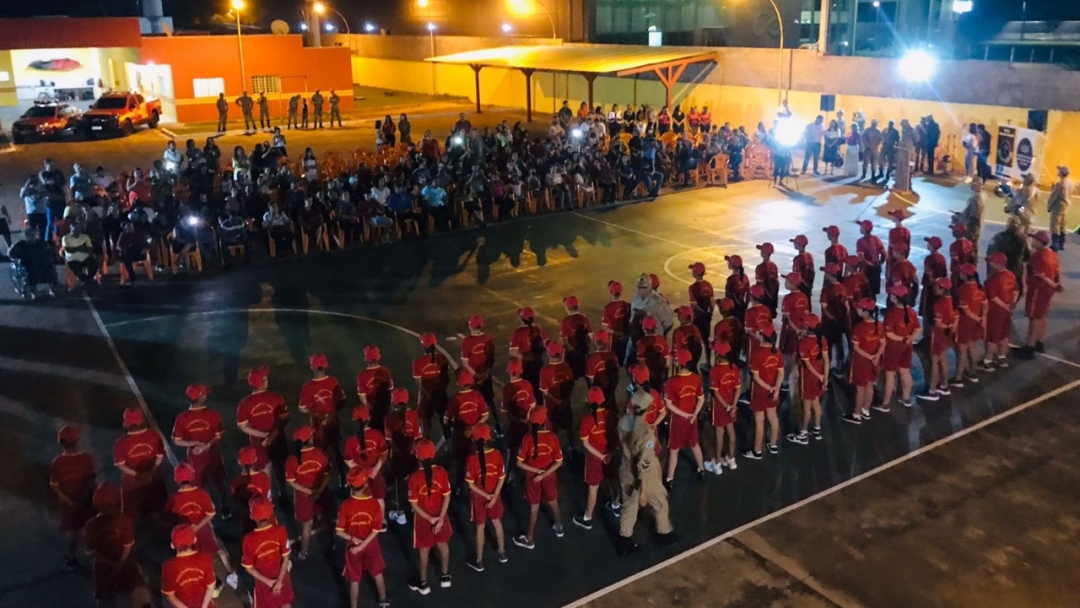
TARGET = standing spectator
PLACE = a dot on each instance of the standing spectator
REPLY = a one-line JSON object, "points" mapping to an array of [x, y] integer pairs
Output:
{"points": [[565, 115], [890, 142], [678, 120], [853, 154], [812, 135], [970, 143], [335, 108], [985, 141], [933, 137], [462, 126], [405, 129], [55, 187], [247, 105], [222, 113], [304, 115], [389, 131], [37, 204], [831, 154], [1057, 205], [79, 254], [317, 106], [972, 215], [294, 106], [871, 144], [435, 199]]}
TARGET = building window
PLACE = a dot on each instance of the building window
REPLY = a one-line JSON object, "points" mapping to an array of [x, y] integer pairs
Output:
{"points": [[266, 84], [208, 87]]}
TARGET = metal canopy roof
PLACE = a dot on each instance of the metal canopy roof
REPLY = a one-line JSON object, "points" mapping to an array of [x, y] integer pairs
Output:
{"points": [[585, 59]]}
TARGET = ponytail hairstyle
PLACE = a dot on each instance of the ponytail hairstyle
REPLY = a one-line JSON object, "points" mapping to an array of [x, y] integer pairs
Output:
{"points": [[594, 409], [536, 440], [298, 447], [426, 464], [822, 347], [361, 428], [975, 277], [876, 322], [431, 353], [482, 457]]}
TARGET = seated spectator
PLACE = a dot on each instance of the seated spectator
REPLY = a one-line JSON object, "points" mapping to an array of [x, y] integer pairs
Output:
{"points": [[79, 254], [435, 199], [132, 247], [313, 221], [279, 227], [233, 228], [36, 259]]}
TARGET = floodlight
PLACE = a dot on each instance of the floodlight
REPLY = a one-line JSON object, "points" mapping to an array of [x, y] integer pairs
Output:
{"points": [[917, 66], [507, 28], [789, 131]]}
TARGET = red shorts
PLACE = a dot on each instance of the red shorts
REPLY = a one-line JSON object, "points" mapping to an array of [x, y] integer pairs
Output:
{"points": [[109, 584], [208, 465], [306, 509], [898, 355], [266, 598], [863, 371], [968, 331], [481, 513], [537, 491], [810, 387], [205, 540], [369, 560], [761, 399], [721, 416], [683, 433], [1037, 304], [424, 535], [596, 471], [998, 324], [939, 342]]}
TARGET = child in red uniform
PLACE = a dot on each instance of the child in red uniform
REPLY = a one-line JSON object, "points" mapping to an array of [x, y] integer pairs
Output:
{"points": [[138, 456], [557, 387], [199, 429], [250, 483], [614, 318], [265, 556], [429, 495], [725, 386], [359, 521], [187, 580], [1002, 293], [835, 253], [729, 329], [72, 479], [527, 343], [574, 333], [597, 429], [795, 304], [867, 348], [262, 416], [518, 400], [766, 375], [757, 316], [478, 356], [656, 412], [942, 330], [872, 254], [961, 251], [855, 281], [485, 473], [935, 266], [768, 276], [898, 236], [539, 457], [901, 328], [813, 378], [653, 351], [602, 367], [432, 373], [367, 449], [835, 310], [687, 337], [373, 385], [1043, 280], [322, 398], [110, 538], [192, 505], [737, 286], [684, 398], [803, 264], [971, 308], [701, 294], [403, 429], [308, 472], [903, 272]]}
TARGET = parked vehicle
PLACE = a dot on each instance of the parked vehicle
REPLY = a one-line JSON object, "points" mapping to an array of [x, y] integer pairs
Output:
{"points": [[121, 113], [45, 121]]}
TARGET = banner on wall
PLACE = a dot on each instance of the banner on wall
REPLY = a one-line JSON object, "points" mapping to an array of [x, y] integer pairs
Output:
{"points": [[1019, 152], [1006, 146]]}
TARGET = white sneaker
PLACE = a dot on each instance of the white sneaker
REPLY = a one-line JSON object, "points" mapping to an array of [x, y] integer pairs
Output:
{"points": [[732, 464], [709, 466], [232, 580], [718, 468], [401, 520]]}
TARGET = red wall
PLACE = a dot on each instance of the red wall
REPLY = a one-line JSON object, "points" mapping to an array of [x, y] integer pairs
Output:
{"points": [[302, 70], [69, 32]]}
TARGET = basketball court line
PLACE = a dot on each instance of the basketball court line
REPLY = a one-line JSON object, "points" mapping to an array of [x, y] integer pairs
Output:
{"points": [[824, 493]]}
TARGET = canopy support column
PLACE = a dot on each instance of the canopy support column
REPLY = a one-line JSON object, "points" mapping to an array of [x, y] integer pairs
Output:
{"points": [[528, 93], [668, 76], [590, 78], [476, 70]]}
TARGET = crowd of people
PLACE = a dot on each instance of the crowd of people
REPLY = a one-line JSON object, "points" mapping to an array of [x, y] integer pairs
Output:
{"points": [[717, 359]]}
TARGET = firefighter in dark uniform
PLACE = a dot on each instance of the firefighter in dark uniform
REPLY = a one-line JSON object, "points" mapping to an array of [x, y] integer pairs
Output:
{"points": [[264, 112], [317, 106], [222, 113], [335, 110], [294, 107], [246, 106]]}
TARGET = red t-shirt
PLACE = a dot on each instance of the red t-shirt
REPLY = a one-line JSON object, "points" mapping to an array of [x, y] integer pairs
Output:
{"points": [[494, 470], [556, 382], [899, 235], [190, 504], [548, 451], [685, 336], [1044, 262], [896, 323], [655, 408], [961, 251], [795, 304], [310, 470], [756, 316], [683, 390], [971, 297], [321, 396], [803, 265], [615, 315], [868, 335], [479, 351], [529, 340], [837, 254], [904, 272], [810, 354], [857, 286], [575, 329], [375, 384], [934, 268], [653, 350], [264, 550], [108, 534], [403, 427], [602, 368], [263, 411], [724, 380], [433, 372], [429, 498], [737, 287], [870, 249], [730, 330], [834, 298], [517, 398], [596, 432], [944, 313], [187, 577], [1001, 285], [73, 475], [768, 276], [374, 448], [247, 486], [139, 451], [766, 362], [466, 408], [200, 424], [359, 516], [701, 295]]}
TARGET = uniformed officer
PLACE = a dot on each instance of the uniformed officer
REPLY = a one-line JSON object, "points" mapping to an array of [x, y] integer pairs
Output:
{"points": [[335, 111], [1057, 204], [640, 483], [246, 106], [317, 105], [264, 112], [647, 303], [294, 105], [222, 113]]}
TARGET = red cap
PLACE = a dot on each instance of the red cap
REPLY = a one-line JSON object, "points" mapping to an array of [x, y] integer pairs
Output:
{"points": [[831, 268], [68, 435], [648, 324], [257, 377], [195, 392], [602, 336], [538, 415], [476, 322], [767, 330], [798, 319], [571, 302], [596, 396], [183, 537], [698, 269], [812, 321], [361, 413], [683, 357], [304, 433], [899, 214], [372, 354], [757, 292], [726, 305], [318, 361], [428, 340], [866, 225], [105, 495], [654, 281], [640, 374], [247, 456], [260, 509], [184, 473], [997, 258], [944, 283], [481, 432], [614, 288], [734, 260], [867, 304], [554, 348], [854, 260], [399, 395], [933, 242], [465, 378], [1042, 236], [684, 313], [958, 229], [969, 269], [794, 277], [358, 476], [133, 416], [766, 248], [898, 290], [831, 230], [526, 314], [721, 348], [514, 367], [424, 449], [800, 241]]}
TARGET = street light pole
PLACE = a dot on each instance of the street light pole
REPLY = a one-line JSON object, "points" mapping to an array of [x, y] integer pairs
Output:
{"points": [[343, 20], [780, 55], [237, 6]]}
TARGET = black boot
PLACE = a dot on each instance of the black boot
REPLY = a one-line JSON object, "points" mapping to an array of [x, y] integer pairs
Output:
{"points": [[626, 546], [666, 540], [1026, 353]]}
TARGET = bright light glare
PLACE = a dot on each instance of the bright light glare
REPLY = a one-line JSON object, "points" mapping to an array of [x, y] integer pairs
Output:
{"points": [[238, 4], [521, 8], [422, 3], [329, 27], [576, 133], [962, 6], [319, 8], [457, 140], [877, 4], [917, 66], [507, 28], [193, 221], [789, 131], [303, 27], [369, 27], [431, 27]]}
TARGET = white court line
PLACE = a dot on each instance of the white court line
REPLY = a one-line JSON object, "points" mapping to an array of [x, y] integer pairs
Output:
{"points": [[810, 499], [621, 227]]}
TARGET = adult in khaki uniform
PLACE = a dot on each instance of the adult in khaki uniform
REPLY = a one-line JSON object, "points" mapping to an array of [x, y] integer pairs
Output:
{"points": [[247, 104], [871, 147], [264, 112], [1057, 205], [640, 482], [317, 105], [294, 106], [222, 113], [335, 110]]}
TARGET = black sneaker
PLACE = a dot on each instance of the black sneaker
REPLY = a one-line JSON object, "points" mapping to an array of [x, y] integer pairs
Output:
{"points": [[1026, 353], [445, 581], [752, 455], [419, 586], [502, 558], [801, 438], [384, 603], [971, 377], [943, 390], [669, 484], [853, 419], [1039, 348], [908, 403], [881, 407], [773, 449], [559, 532], [815, 432], [987, 365], [584, 523], [476, 565], [930, 395], [957, 382], [614, 507], [701, 474], [1002, 362], [226, 514]]}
